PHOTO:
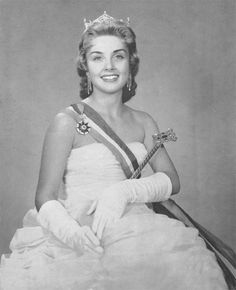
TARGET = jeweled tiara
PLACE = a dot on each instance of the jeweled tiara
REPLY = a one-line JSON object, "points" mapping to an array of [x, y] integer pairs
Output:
{"points": [[104, 18]]}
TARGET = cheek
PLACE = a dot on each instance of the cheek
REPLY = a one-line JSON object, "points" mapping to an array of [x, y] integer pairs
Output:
{"points": [[93, 70], [125, 68]]}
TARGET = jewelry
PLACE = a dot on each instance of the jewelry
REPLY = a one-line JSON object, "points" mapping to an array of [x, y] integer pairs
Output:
{"points": [[104, 19], [83, 127], [129, 83], [89, 85]]}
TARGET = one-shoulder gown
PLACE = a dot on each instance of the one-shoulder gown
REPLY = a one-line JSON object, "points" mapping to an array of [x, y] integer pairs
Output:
{"points": [[142, 250]]}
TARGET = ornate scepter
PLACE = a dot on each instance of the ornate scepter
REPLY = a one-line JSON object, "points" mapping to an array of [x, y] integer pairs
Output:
{"points": [[160, 138]]}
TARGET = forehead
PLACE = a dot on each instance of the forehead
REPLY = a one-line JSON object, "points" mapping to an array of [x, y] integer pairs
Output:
{"points": [[107, 43]]}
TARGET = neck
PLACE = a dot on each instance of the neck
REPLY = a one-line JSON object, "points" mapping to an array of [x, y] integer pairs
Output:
{"points": [[106, 104]]}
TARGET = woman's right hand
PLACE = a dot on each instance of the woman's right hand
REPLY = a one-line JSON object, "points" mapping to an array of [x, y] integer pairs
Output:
{"points": [[54, 217], [89, 241]]}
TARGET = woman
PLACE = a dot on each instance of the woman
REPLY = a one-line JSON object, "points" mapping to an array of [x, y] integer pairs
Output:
{"points": [[99, 233]]}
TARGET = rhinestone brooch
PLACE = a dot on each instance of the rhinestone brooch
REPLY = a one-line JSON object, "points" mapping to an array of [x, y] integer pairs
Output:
{"points": [[83, 127]]}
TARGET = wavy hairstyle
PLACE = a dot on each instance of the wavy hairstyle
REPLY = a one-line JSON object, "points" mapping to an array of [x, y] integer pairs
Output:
{"points": [[116, 28]]}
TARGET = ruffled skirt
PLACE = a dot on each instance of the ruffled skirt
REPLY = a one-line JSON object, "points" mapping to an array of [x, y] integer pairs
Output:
{"points": [[142, 251]]}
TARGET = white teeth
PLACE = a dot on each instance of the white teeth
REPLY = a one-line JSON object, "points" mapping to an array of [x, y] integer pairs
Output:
{"points": [[112, 77]]}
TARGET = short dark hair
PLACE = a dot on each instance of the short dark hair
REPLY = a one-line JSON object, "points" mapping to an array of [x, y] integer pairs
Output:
{"points": [[116, 28]]}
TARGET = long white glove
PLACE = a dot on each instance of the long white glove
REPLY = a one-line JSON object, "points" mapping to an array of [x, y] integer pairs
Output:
{"points": [[111, 205], [54, 217]]}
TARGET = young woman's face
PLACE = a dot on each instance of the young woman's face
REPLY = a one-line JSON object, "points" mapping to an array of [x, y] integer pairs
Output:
{"points": [[108, 64]]}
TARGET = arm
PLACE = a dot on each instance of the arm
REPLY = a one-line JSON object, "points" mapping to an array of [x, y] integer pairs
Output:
{"points": [[51, 214], [56, 149], [161, 161]]}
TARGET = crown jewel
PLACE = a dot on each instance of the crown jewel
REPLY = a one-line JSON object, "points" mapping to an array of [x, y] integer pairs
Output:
{"points": [[104, 18]]}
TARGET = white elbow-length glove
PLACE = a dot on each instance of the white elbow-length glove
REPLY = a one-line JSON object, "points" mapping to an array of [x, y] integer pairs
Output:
{"points": [[111, 205], [54, 217]]}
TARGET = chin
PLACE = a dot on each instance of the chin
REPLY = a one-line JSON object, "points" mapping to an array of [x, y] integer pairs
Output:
{"points": [[111, 90]]}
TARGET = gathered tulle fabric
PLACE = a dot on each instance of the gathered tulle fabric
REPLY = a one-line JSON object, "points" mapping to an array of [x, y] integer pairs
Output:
{"points": [[142, 250]]}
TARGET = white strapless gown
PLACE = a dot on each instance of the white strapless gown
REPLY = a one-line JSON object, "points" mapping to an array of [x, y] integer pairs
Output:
{"points": [[143, 250]]}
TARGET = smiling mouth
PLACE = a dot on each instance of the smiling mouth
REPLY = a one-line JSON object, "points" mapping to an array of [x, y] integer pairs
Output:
{"points": [[110, 77]]}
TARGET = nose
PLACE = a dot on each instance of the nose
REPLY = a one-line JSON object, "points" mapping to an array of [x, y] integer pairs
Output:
{"points": [[109, 64]]}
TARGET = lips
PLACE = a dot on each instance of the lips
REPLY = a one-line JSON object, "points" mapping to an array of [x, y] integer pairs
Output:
{"points": [[111, 77]]}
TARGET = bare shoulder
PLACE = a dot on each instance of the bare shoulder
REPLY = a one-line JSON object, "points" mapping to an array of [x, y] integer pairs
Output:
{"points": [[63, 120], [147, 123], [145, 119]]}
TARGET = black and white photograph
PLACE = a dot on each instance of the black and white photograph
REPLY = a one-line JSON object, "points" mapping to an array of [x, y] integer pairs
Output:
{"points": [[118, 145]]}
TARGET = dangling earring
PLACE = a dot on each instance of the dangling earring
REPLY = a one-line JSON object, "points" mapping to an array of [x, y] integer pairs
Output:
{"points": [[89, 84], [129, 83]]}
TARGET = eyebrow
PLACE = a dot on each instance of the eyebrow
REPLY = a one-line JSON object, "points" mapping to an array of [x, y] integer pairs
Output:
{"points": [[115, 51]]}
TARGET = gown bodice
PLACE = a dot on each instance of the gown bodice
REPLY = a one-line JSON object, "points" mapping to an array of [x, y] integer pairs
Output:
{"points": [[89, 170]]}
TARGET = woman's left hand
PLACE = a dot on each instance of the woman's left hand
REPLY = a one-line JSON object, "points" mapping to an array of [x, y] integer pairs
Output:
{"points": [[108, 208]]}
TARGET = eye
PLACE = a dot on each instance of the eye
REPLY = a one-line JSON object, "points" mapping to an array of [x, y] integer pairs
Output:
{"points": [[119, 56], [97, 58]]}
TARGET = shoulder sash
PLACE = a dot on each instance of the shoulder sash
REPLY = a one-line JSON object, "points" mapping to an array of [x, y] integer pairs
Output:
{"points": [[103, 133]]}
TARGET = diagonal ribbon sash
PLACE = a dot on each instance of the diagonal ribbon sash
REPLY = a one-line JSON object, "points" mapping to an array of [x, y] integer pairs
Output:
{"points": [[103, 133]]}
